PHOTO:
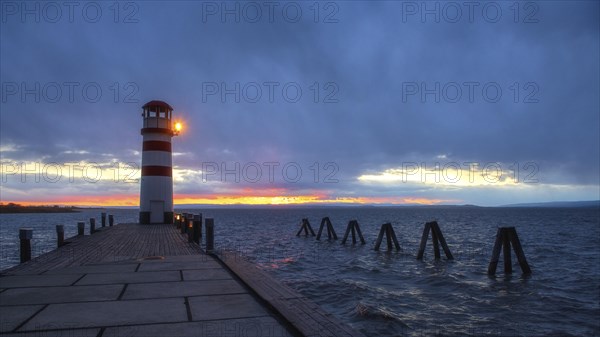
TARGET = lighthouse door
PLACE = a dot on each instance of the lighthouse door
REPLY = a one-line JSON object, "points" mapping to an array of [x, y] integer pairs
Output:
{"points": [[157, 209]]}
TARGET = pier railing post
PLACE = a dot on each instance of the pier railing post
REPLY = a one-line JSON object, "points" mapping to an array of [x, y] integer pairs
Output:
{"points": [[80, 228], [111, 220], [60, 235], [210, 238], [25, 236], [189, 218], [189, 222], [103, 218], [197, 228], [182, 223], [92, 225]]}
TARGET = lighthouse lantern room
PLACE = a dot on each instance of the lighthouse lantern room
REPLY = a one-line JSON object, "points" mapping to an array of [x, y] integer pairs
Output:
{"points": [[156, 190]]}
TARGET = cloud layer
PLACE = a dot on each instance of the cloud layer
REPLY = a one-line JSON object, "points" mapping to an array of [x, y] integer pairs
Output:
{"points": [[342, 91]]}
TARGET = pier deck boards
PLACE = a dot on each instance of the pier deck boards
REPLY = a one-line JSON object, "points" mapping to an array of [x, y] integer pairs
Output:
{"points": [[110, 244], [147, 280]]}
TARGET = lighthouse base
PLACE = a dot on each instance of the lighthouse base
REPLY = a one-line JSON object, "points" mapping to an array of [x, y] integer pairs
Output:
{"points": [[145, 218]]}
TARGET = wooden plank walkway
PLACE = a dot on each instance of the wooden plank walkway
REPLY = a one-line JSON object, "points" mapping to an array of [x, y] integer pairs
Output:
{"points": [[109, 244], [148, 280]]}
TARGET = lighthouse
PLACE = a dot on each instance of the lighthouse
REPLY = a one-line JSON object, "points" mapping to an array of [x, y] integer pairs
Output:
{"points": [[156, 190]]}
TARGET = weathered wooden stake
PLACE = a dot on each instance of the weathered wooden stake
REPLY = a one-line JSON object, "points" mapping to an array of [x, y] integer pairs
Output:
{"points": [[210, 239], [92, 226], [436, 244], [25, 236], [353, 226], [390, 234], [80, 228], [506, 250], [111, 220], [516, 244], [306, 227], [103, 217], [495, 252], [197, 228], [504, 237], [330, 231], [437, 238], [60, 235]]}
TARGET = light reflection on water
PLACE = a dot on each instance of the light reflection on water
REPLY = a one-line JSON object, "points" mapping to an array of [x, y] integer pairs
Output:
{"points": [[391, 293]]}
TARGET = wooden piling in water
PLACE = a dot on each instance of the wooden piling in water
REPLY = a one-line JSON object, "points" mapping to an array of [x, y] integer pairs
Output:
{"points": [[306, 227], [505, 236], [60, 235], [92, 225], [355, 229], [111, 220], [507, 258], [210, 238], [80, 228], [197, 228], [516, 244], [25, 236], [388, 231], [325, 222], [103, 219], [437, 238]]}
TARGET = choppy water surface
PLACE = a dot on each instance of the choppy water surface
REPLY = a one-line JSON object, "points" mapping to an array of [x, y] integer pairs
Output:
{"points": [[393, 294]]}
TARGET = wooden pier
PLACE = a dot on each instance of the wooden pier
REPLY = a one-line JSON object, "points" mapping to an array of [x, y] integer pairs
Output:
{"points": [[148, 280]]}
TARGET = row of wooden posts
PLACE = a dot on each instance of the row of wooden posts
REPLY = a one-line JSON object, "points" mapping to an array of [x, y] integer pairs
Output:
{"points": [[191, 224], [26, 234], [504, 238]]}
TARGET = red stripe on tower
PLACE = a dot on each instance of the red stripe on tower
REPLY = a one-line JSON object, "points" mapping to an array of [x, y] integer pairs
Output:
{"points": [[156, 145], [157, 171]]}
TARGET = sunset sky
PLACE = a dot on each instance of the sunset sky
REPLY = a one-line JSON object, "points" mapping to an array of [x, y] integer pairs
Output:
{"points": [[388, 103]]}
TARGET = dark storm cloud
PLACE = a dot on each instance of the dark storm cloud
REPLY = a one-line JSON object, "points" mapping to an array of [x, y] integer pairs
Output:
{"points": [[369, 55]]}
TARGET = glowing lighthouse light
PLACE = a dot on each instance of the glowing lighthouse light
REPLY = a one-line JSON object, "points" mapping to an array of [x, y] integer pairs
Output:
{"points": [[156, 188], [178, 127]]}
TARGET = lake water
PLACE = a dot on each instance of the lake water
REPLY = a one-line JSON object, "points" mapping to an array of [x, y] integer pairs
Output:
{"points": [[393, 294]]}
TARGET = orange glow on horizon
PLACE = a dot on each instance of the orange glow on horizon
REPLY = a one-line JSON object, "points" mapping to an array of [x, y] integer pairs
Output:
{"points": [[258, 199]]}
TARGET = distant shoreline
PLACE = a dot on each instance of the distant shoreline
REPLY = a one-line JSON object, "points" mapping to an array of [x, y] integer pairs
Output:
{"points": [[15, 208]]}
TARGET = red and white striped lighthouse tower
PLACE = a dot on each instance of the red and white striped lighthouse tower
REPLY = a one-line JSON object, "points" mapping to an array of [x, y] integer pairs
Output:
{"points": [[156, 190]]}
